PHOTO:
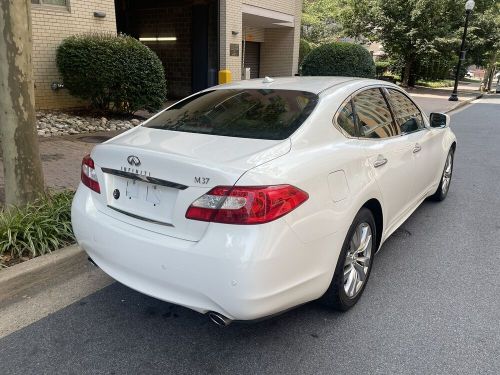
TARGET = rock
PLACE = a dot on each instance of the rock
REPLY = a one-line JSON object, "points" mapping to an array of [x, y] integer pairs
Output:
{"points": [[51, 124]]}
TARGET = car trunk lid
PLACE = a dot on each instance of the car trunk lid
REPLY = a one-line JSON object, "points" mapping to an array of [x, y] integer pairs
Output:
{"points": [[149, 177]]}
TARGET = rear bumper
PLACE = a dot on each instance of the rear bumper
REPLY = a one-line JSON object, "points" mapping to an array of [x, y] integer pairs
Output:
{"points": [[242, 272]]}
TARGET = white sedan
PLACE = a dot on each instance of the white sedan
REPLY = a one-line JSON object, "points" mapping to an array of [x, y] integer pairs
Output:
{"points": [[247, 199]]}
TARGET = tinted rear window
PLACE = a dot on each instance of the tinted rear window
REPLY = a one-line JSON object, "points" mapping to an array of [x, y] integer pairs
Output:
{"points": [[260, 114]]}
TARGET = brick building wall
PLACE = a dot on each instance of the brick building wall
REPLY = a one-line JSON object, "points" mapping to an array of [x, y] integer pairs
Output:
{"points": [[253, 34], [230, 21], [284, 6], [51, 24], [279, 46], [280, 51]]}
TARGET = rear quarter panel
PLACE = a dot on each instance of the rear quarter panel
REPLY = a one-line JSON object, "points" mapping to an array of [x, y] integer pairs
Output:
{"points": [[317, 153]]}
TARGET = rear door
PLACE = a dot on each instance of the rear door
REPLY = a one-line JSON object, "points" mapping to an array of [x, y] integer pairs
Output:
{"points": [[389, 153]]}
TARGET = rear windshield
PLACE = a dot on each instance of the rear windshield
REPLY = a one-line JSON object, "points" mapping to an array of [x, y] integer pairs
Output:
{"points": [[245, 113]]}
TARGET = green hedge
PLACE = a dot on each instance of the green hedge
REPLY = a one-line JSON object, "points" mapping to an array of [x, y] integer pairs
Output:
{"points": [[112, 72], [339, 59], [36, 228]]}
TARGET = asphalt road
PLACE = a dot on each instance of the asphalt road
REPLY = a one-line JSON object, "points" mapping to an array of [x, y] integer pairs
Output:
{"points": [[432, 305]]}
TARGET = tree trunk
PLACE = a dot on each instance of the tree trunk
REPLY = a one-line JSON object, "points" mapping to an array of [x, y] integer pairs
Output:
{"points": [[19, 142], [405, 80], [491, 71], [484, 82]]}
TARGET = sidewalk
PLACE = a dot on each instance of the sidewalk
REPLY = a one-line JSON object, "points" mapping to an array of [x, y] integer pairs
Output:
{"points": [[436, 100]]}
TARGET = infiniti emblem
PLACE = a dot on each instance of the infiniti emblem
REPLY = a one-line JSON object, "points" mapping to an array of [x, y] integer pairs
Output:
{"points": [[134, 160]]}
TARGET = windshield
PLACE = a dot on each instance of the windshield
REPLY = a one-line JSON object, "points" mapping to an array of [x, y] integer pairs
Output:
{"points": [[245, 113]]}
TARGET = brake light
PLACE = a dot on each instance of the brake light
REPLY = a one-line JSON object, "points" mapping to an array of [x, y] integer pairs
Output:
{"points": [[246, 204], [89, 177]]}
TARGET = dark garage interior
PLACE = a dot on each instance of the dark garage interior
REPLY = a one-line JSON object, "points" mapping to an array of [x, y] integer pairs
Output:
{"points": [[184, 35]]}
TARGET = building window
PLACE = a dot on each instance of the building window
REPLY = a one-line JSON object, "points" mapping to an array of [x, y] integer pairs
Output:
{"points": [[63, 3]]}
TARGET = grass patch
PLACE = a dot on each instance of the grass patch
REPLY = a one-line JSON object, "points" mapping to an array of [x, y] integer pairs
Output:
{"points": [[470, 80], [36, 229], [436, 84]]}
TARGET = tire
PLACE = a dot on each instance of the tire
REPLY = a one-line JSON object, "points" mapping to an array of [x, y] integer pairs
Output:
{"points": [[337, 297], [444, 187]]}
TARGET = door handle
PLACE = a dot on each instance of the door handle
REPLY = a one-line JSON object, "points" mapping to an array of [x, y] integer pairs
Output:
{"points": [[417, 148], [380, 161]]}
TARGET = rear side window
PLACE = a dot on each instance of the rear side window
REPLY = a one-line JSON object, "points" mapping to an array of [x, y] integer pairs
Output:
{"points": [[345, 119], [373, 115], [245, 113], [408, 116]]}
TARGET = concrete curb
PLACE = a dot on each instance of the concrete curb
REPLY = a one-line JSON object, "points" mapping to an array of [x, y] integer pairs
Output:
{"points": [[464, 103], [16, 279]]}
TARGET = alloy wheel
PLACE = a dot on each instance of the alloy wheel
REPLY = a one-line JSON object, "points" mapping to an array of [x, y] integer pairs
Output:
{"points": [[357, 262], [447, 173]]}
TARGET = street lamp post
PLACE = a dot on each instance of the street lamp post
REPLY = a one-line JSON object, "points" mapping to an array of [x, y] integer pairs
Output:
{"points": [[469, 5]]}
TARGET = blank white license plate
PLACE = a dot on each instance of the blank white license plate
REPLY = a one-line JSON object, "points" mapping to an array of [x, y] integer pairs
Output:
{"points": [[142, 191]]}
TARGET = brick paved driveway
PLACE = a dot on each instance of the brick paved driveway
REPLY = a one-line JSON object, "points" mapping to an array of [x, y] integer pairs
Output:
{"points": [[61, 158]]}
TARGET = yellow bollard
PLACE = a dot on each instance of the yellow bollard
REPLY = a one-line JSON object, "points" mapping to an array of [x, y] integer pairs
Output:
{"points": [[224, 76]]}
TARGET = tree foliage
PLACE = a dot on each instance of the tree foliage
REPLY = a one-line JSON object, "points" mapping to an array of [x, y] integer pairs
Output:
{"points": [[339, 59], [112, 72], [319, 21], [484, 35], [412, 30]]}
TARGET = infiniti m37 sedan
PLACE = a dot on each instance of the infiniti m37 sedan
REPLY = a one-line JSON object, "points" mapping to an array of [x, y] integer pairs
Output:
{"points": [[247, 199]]}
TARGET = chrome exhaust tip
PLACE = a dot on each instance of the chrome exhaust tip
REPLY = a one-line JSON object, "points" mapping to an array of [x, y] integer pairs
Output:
{"points": [[219, 319]]}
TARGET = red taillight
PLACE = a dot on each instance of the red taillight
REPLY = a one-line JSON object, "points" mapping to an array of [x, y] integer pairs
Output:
{"points": [[89, 176], [246, 204]]}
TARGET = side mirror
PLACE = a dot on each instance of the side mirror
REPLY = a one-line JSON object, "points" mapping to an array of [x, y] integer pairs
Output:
{"points": [[439, 120]]}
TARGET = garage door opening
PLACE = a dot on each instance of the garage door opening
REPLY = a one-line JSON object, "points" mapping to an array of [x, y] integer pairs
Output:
{"points": [[184, 35]]}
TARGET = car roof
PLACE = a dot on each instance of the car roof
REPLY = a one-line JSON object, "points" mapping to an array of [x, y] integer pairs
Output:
{"points": [[310, 84]]}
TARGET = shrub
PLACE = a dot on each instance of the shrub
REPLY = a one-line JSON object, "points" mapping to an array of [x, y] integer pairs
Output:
{"points": [[433, 68], [304, 48], [381, 67], [113, 72], [436, 84], [37, 228], [339, 59]]}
